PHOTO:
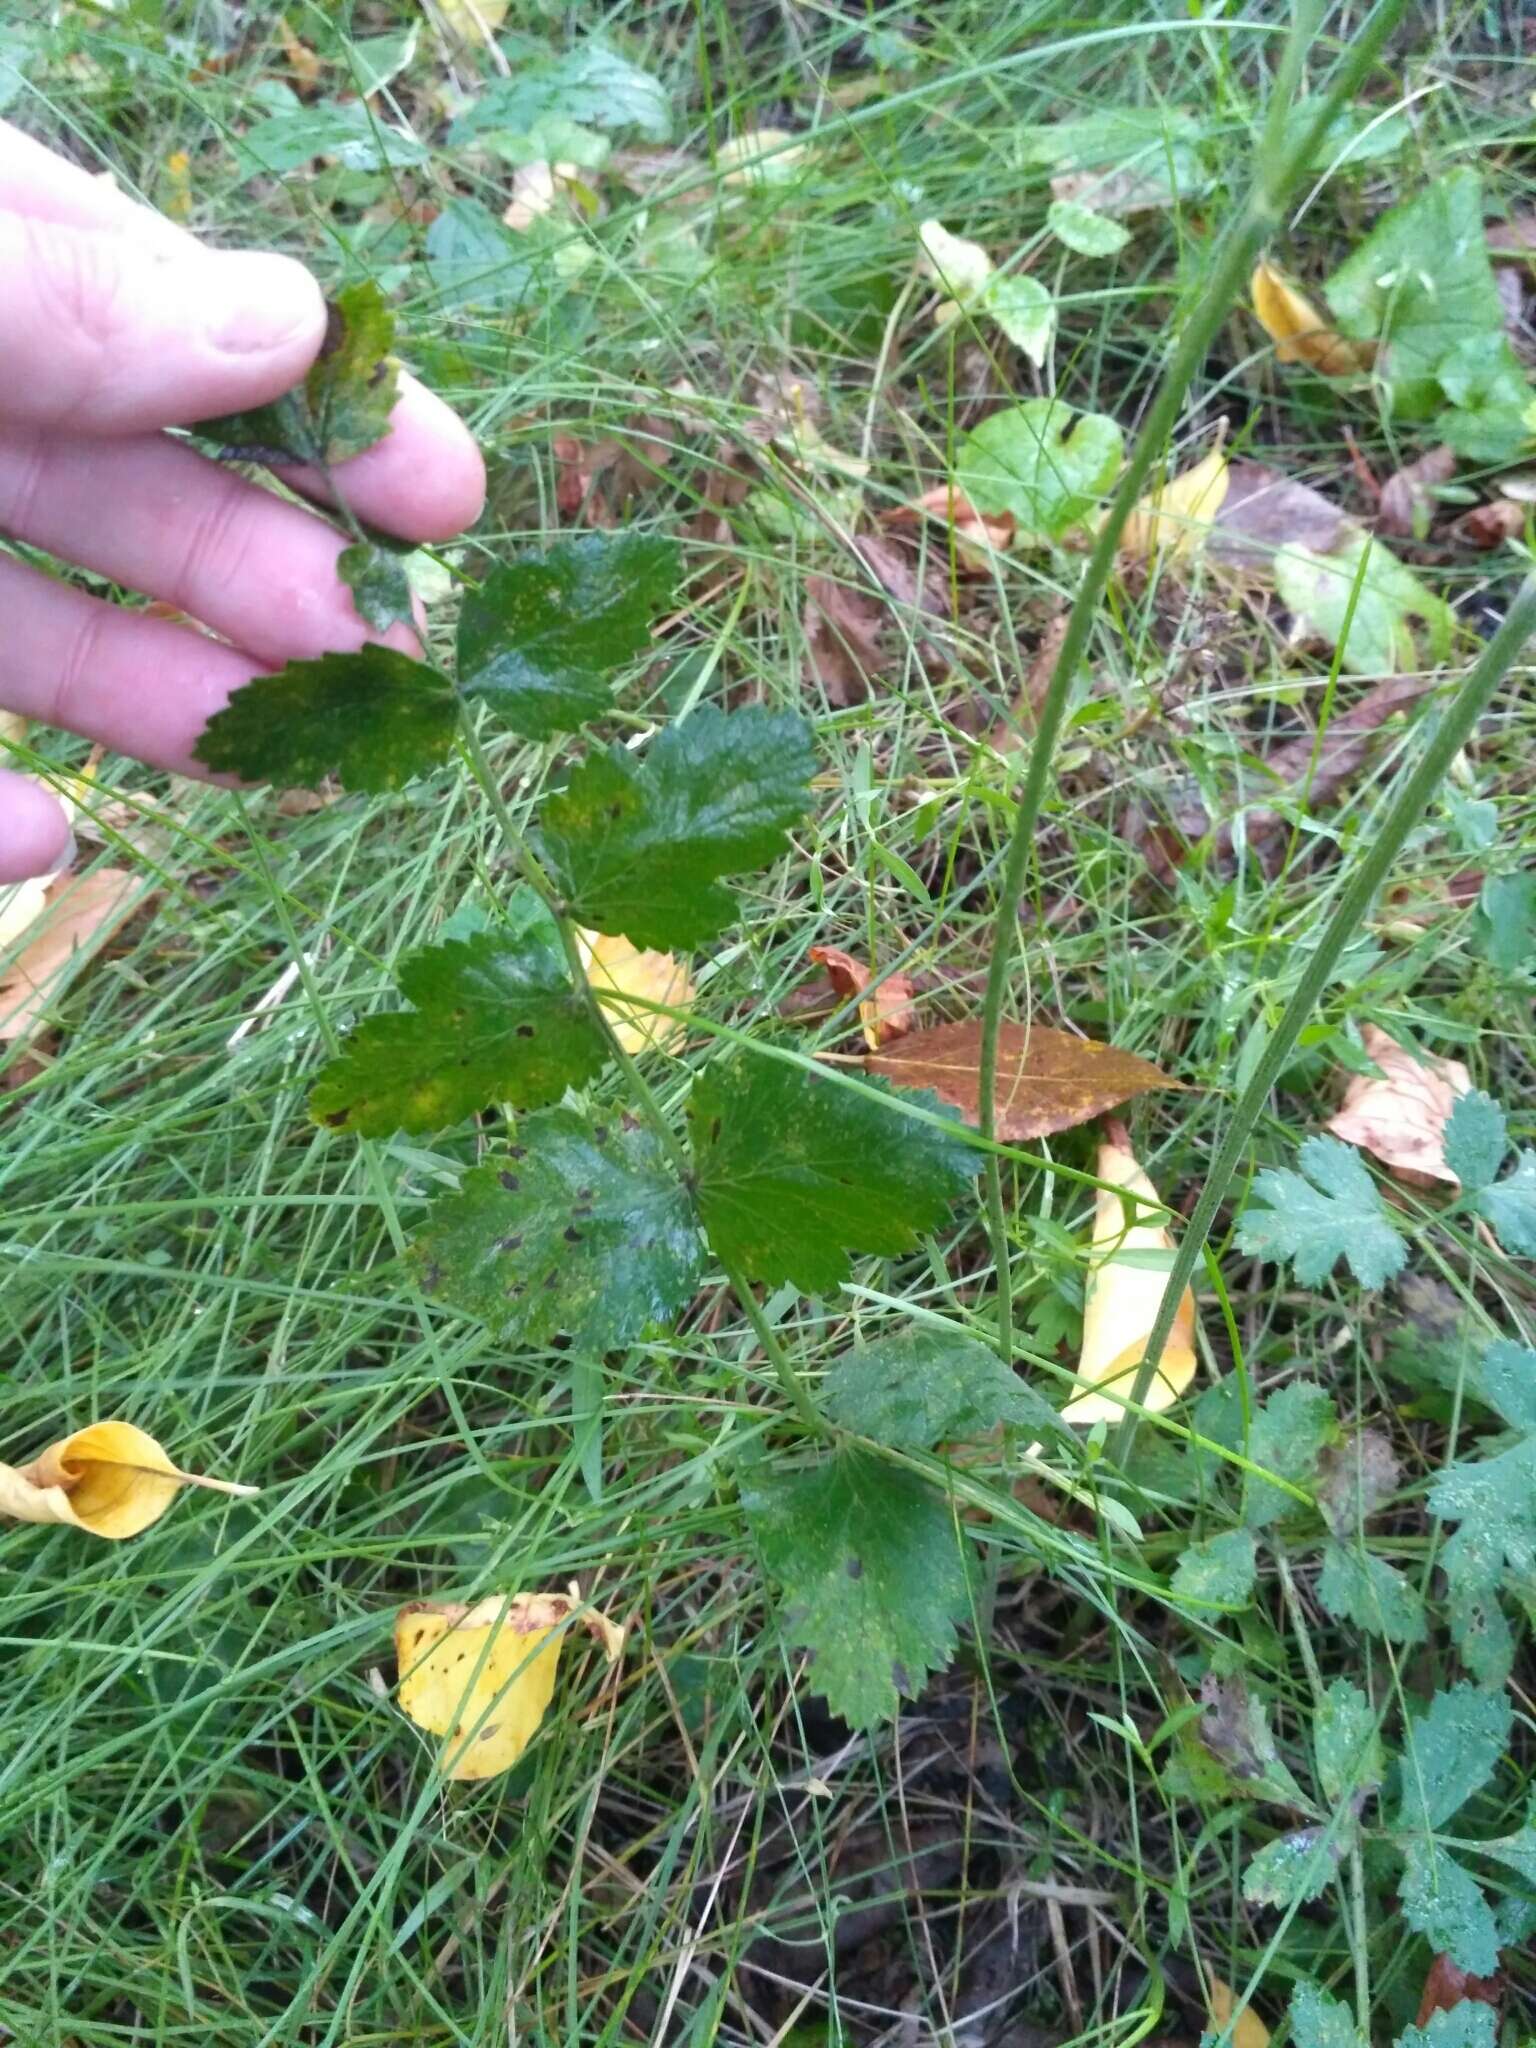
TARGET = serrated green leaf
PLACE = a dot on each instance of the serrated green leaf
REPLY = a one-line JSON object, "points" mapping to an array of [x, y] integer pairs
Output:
{"points": [[1510, 1206], [358, 137], [1472, 1559], [540, 638], [1467, 2024], [1348, 1747], [589, 84], [380, 586], [1476, 1139], [1494, 1500], [1044, 462], [924, 1387], [637, 846], [1504, 929], [795, 1171], [1357, 1586], [1222, 1568], [1290, 1433], [1318, 2021], [1507, 1382], [373, 719], [1235, 1727], [1083, 231], [1291, 1870], [1364, 584], [496, 1019], [579, 1230], [474, 261], [873, 1578], [1452, 1750], [1443, 1902], [1334, 1213], [343, 405]]}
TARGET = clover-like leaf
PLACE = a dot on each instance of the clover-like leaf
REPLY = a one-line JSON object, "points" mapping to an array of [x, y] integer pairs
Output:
{"points": [[580, 1230], [1334, 1213], [796, 1170], [1044, 462], [1444, 1903], [497, 1018], [873, 1578], [374, 718], [638, 846], [1451, 1751], [381, 590], [540, 638], [343, 405], [925, 1386], [1347, 1744]]}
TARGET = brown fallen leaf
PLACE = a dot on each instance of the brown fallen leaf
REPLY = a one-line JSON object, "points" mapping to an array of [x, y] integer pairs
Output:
{"points": [[1113, 191], [78, 915], [977, 535], [888, 1013], [1007, 734], [1408, 499], [1047, 1080], [1400, 1114], [1301, 333], [110, 1479], [1490, 525], [304, 63], [1446, 1984], [1264, 511], [843, 628], [1248, 2030]]}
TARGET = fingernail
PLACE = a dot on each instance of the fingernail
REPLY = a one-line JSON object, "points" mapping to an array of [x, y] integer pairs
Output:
{"points": [[259, 301], [67, 859]]}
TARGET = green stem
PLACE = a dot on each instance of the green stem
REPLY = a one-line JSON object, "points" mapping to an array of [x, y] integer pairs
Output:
{"points": [[1457, 723], [640, 1089], [1279, 169]]}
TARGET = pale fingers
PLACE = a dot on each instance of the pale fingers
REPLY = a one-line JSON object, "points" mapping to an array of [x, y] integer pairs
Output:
{"points": [[34, 832]]}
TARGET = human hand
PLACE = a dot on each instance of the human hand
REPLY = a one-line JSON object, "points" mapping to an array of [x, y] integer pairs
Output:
{"points": [[114, 324]]}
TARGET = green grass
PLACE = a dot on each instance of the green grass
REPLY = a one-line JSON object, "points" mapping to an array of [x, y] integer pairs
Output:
{"points": [[217, 1826]]}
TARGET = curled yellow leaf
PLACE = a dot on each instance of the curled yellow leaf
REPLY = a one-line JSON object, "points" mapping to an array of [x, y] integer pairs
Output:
{"points": [[109, 1479], [1125, 1290], [1301, 333], [1176, 520], [1248, 2030], [961, 269], [625, 979], [483, 1676]]}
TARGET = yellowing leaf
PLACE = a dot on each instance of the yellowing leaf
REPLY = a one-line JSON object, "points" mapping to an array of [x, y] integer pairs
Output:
{"points": [[1300, 333], [960, 268], [618, 971], [1125, 1290], [1046, 1080], [471, 21], [483, 1676], [1249, 2031], [109, 1479], [1401, 1114], [1176, 520], [13, 728], [76, 914], [762, 156], [888, 1013]]}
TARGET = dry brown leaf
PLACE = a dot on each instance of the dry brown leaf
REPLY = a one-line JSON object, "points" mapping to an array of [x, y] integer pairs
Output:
{"points": [[1113, 191], [976, 536], [303, 62], [1301, 333], [888, 1013], [618, 971], [1490, 525], [483, 1676], [1177, 519], [1047, 1080], [1249, 2031], [842, 629], [1408, 499], [1446, 1984], [110, 1479], [1263, 511], [78, 915], [1400, 1114]]}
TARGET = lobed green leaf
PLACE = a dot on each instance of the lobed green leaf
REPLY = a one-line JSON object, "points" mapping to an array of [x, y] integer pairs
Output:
{"points": [[343, 405], [925, 1387], [1452, 1750], [1444, 1903], [374, 719], [1346, 1743], [1334, 1213]]}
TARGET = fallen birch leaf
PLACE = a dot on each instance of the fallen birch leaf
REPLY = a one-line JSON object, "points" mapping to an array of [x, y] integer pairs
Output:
{"points": [[1301, 333], [888, 1013], [77, 915], [960, 268], [1400, 1115], [109, 1479], [1176, 520], [1408, 498], [1020, 305], [617, 971], [484, 1675], [1248, 2030], [1046, 1080], [1125, 1289]]}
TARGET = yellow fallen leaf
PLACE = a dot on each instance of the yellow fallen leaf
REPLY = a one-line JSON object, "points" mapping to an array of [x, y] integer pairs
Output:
{"points": [[1176, 520], [21, 905], [1301, 333], [1124, 1292], [616, 971], [178, 185], [1401, 1114], [109, 1479], [961, 269], [762, 156], [483, 1676], [470, 21], [76, 915], [1249, 2031]]}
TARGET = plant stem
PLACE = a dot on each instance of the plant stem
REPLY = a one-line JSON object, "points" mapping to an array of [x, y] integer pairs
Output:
{"points": [[1278, 170], [1457, 723], [639, 1088]]}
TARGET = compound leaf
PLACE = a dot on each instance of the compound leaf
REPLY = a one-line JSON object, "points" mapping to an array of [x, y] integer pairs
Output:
{"points": [[926, 1386], [1348, 1747], [1451, 1751], [1510, 1206], [1334, 1213], [1042, 461], [1357, 1586], [795, 1171], [1475, 1140], [1291, 1870], [580, 1230], [541, 636], [343, 405], [1290, 1433], [1467, 2024], [1443, 1902], [374, 718], [873, 1578], [637, 846], [1221, 1568], [496, 1019]]}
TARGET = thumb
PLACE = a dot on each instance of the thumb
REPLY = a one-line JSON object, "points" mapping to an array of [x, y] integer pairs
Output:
{"points": [[34, 832], [112, 334]]}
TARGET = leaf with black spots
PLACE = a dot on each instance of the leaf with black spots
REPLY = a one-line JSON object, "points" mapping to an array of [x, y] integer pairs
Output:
{"points": [[796, 1170], [637, 846], [381, 590], [871, 1572], [580, 1230], [343, 405], [540, 638], [925, 1386], [497, 1018], [374, 719]]}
